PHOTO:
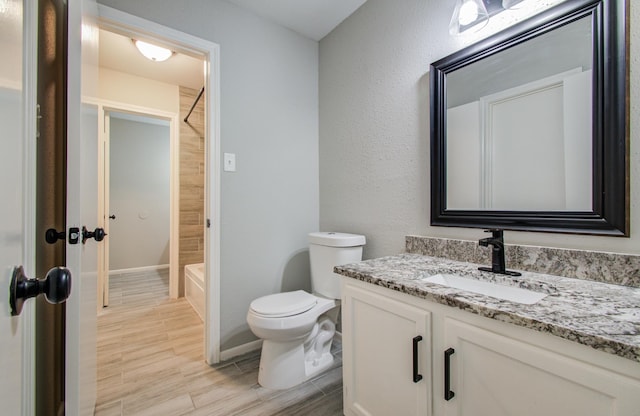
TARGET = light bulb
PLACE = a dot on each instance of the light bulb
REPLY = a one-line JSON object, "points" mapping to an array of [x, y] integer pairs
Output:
{"points": [[468, 13]]}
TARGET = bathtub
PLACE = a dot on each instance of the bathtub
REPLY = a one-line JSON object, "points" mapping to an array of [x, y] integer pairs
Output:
{"points": [[194, 287]]}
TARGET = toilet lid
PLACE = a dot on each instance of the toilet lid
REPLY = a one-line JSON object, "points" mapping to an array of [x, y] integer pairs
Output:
{"points": [[284, 304]]}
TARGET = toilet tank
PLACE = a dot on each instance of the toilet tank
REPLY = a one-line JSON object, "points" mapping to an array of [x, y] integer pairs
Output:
{"points": [[329, 249]]}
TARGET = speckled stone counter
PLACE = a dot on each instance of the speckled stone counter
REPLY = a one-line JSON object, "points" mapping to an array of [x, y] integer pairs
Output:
{"points": [[603, 316]]}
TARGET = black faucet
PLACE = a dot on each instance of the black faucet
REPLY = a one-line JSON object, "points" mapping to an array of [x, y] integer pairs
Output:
{"points": [[497, 253]]}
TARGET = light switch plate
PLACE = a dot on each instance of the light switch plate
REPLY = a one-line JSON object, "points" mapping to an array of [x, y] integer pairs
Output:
{"points": [[229, 162]]}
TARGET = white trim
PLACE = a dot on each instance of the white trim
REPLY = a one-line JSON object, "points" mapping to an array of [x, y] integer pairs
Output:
{"points": [[29, 123], [120, 22], [80, 344], [240, 350], [103, 209], [105, 107], [121, 107], [143, 269], [212, 195]]}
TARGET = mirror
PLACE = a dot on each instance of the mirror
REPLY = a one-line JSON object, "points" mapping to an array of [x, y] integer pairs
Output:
{"points": [[529, 128]]}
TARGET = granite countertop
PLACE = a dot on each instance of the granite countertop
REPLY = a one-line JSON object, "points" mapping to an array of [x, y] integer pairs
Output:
{"points": [[603, 316]]}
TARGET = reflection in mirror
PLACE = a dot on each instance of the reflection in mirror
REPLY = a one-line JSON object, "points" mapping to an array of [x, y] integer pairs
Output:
{"points": [[529, 127], [519, 126]]}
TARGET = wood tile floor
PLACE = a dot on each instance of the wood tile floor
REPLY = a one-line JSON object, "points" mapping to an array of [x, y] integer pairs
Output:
{"points": [[150, 362]]}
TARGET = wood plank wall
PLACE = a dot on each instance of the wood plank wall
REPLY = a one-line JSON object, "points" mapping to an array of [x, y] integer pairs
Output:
{"points": [[192, 172]]}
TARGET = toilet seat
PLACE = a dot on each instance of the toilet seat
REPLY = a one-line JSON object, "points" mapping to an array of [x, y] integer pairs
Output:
{"points": [[285, 304]]}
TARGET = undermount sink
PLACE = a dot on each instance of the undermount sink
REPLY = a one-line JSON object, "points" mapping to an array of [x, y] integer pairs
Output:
{"points": [[513, 294]]}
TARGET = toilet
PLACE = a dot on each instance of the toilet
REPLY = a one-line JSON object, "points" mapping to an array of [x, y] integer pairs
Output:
{"points": [[297, 327]]}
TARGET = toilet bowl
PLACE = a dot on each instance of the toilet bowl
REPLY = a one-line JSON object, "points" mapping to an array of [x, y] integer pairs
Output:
{"points": [[297, 328], [297, 333]]}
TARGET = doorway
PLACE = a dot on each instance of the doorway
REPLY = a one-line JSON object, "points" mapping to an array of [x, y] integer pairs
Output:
{"points": [[137, 198], [133, 27], [138, 161]]}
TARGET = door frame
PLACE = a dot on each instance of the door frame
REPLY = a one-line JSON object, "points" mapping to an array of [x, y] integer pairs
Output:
{"points": [[126, 24], [104, 108]]}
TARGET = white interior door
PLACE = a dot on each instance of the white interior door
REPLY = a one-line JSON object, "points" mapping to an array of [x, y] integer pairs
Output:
{"points": [[82, 207], [17, 213], [17, 94]]}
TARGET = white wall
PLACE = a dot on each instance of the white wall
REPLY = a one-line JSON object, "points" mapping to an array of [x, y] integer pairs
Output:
{"points": [[464, 167], [269, 119], [11, 44], [374, 127], [139, 193], [130, 89]]}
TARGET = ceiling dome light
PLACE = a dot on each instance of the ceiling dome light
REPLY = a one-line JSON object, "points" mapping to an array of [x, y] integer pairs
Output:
{"points": [[153, 52]]}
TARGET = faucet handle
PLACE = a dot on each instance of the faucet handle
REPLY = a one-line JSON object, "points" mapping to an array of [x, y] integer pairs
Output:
{"points": [[496, 232]]}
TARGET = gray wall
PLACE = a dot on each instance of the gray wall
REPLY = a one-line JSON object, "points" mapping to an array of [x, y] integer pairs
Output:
{"points": [[374, 127], [269, 119], [139, 193], [374, 133]]}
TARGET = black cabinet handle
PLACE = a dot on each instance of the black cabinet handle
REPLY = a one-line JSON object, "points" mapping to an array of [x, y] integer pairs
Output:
{"points": [[416, 377], [448, 394]]}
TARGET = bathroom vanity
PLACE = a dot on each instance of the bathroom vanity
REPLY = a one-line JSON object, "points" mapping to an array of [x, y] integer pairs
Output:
{"points": [[413, 347], [427, 333]]}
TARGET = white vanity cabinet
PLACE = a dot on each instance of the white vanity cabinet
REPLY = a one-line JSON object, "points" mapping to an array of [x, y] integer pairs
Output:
{"points": [[493, 374], [386, 356], [495, 368]]}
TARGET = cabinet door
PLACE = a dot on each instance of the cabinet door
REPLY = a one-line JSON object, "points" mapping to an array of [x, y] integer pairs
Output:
{"points": [[378, 356], [494, 375]]}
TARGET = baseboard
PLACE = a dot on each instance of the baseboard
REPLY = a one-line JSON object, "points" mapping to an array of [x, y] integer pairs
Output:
{"points": [[142, 269], [240, 350], [253, 346]]}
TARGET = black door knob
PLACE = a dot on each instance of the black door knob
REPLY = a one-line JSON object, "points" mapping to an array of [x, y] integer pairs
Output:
{"points": [[52, 235], [112, 216], [98, 234], [56, 287]]}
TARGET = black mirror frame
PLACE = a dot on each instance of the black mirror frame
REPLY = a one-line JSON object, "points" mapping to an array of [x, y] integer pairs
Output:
{"points": [[610, 215]]}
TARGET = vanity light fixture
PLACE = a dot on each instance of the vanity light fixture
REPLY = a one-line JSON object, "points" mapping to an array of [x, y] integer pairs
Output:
{"points": [[475, 14], [510, 4], [153, 52], [468, 14]]}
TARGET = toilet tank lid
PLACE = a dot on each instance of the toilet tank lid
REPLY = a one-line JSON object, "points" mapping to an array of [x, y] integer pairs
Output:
{"points": [[332, 239]]}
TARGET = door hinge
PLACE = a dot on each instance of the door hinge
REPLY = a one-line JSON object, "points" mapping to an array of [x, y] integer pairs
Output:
{"points": [[208, 223]]}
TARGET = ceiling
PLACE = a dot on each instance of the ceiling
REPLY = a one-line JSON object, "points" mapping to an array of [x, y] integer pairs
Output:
{"points": [[117, 52], [311, 18]]}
